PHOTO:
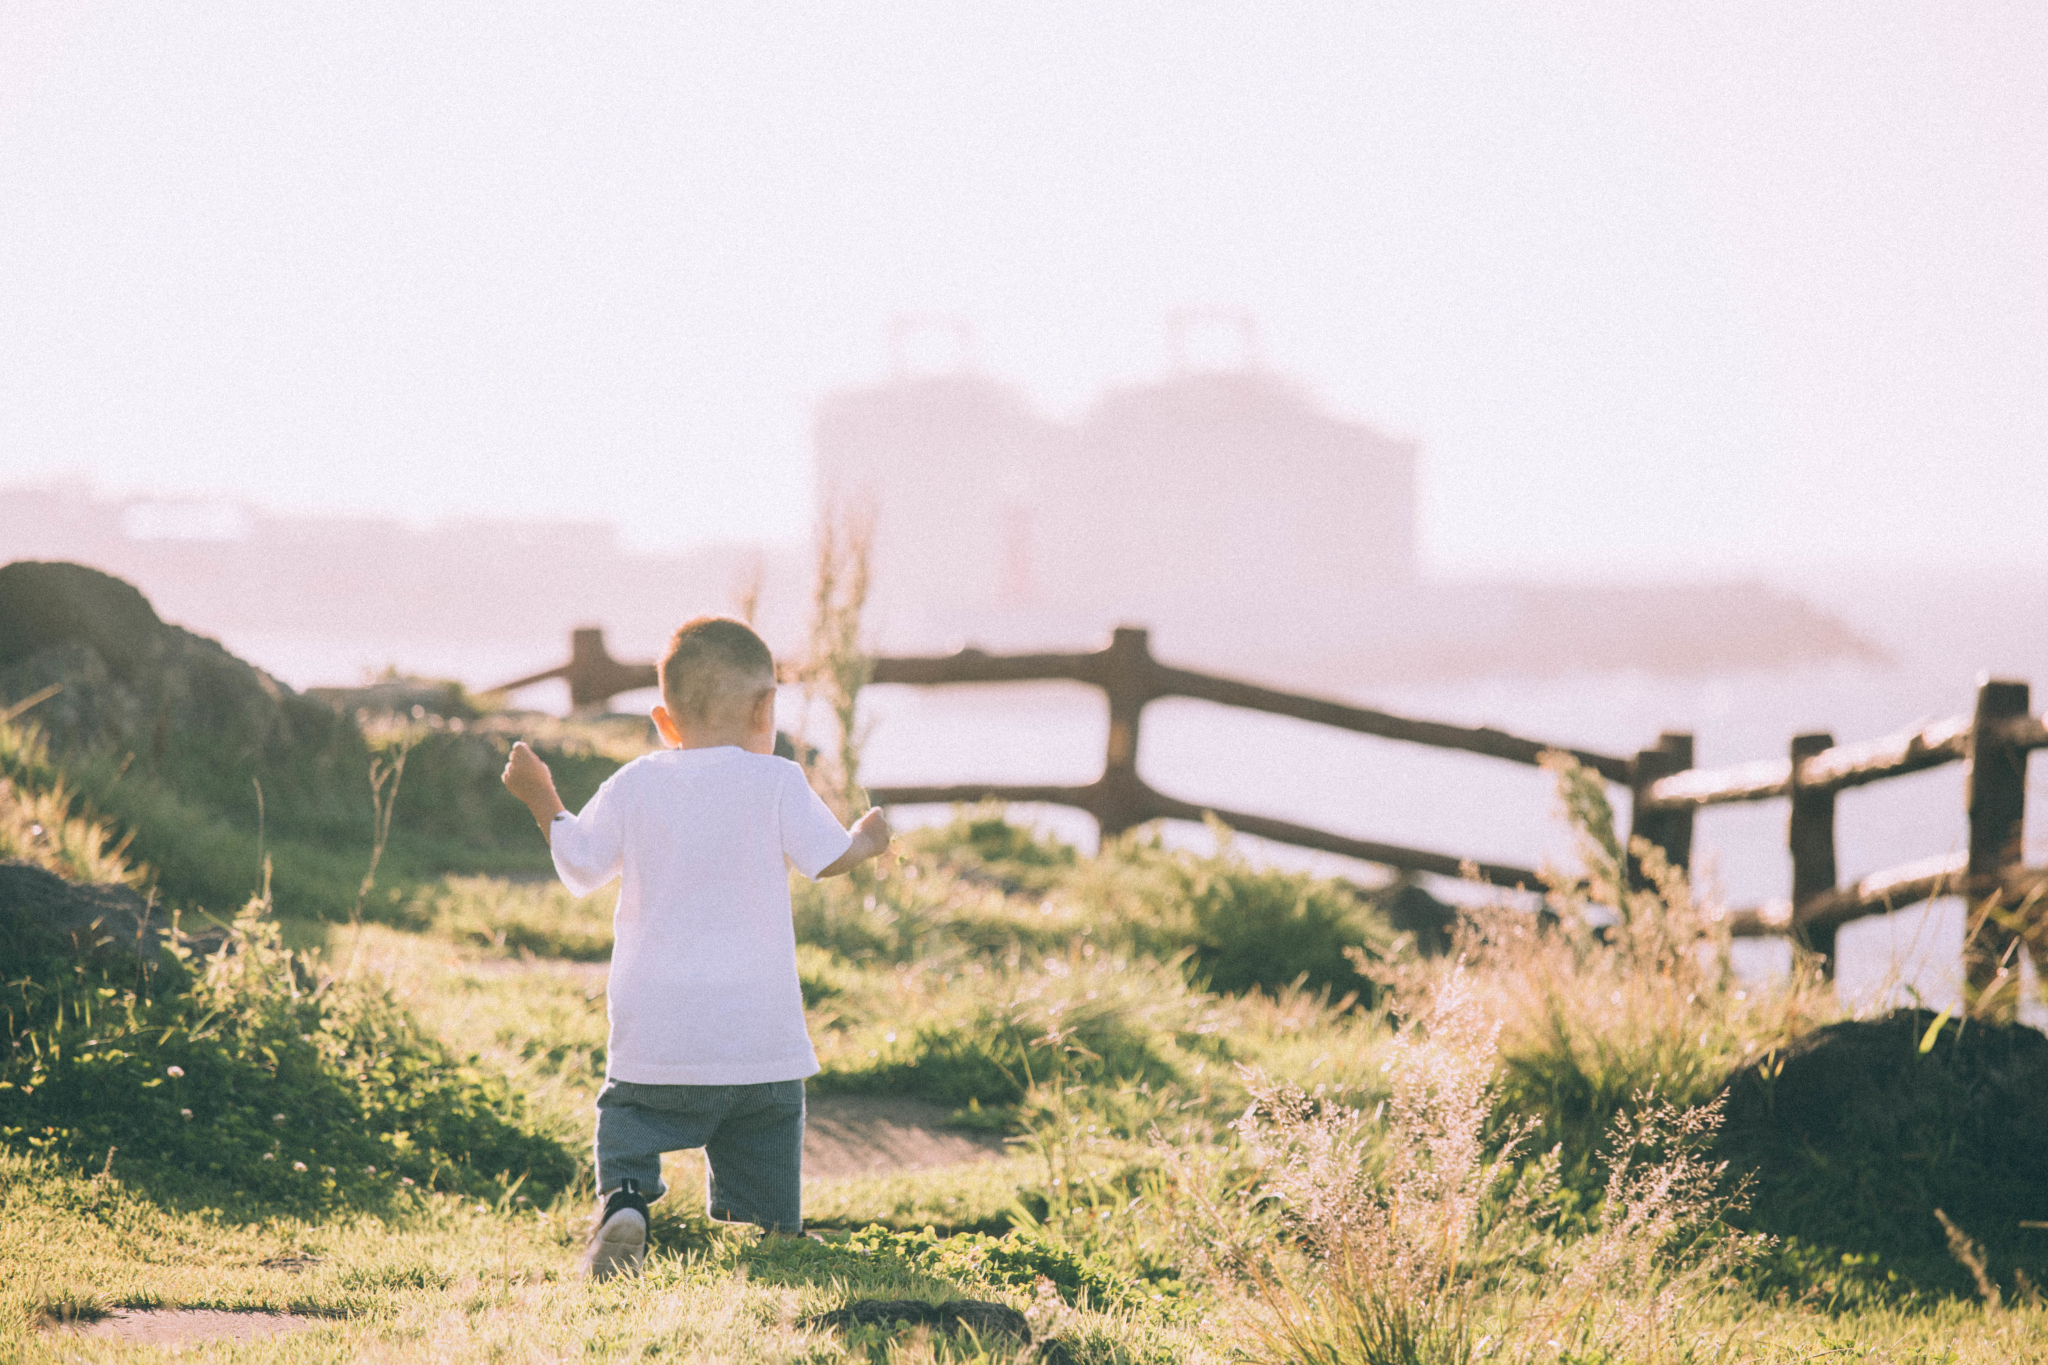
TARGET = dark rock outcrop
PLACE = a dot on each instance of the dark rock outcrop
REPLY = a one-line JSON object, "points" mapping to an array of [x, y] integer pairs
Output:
{"points": [[1853, 1136], [45, 918], [132, 684]]}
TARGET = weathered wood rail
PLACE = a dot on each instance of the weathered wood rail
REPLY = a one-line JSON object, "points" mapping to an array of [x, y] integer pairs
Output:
{"points": [[1119, 799], [1995, 740], [1666, 791]]}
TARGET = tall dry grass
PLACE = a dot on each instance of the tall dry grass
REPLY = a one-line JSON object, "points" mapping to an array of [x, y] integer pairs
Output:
{"points": [[45, 822], [1422, 1232], [837, 666], [1618, 991], [1536, 1184]]}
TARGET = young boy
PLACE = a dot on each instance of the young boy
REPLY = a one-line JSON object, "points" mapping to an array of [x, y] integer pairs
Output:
{"points": [[708, 1046]]}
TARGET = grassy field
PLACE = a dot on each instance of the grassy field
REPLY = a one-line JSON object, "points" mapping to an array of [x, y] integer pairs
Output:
{"points": [[1245, 1120]]}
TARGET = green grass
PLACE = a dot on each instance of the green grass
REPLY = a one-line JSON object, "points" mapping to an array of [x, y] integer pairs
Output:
{"points": [[447, 1279], [1112, 1016]]}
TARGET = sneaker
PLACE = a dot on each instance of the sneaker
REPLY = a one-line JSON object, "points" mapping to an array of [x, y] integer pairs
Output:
{"points": [[620, 1241]]}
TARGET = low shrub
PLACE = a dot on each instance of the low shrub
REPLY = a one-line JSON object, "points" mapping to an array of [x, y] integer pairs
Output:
{"points": [[981, 843], [41, 822], [1235, 927], [1414, 1233], [246, 1070]]}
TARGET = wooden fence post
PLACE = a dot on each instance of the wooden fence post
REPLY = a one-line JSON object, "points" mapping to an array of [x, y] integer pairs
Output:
{"points": [[1996, 800], [1127, 679], [1811, 835], [595, 677], [1670, 830]]}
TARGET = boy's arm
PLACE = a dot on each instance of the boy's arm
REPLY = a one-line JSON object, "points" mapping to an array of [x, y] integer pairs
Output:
{"points": [[528, 778], [871, 835]]}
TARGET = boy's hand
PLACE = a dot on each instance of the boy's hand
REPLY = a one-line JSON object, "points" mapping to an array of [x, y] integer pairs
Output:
{"points": [[872, 834], [527, 778]]}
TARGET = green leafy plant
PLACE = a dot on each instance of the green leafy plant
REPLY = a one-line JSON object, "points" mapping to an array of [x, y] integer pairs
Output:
{"points": [[243, 1067]]}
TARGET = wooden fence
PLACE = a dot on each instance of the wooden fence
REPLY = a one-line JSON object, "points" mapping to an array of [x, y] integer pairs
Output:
{"points": [[1665, 789], [593, 675]]}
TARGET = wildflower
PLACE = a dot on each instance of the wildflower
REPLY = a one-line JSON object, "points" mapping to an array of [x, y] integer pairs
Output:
{"points": [[277, 1118], [270, 1156], [187, 1113], [369, 1170], [298, 1165], [176, 1073], [405, 1180]]}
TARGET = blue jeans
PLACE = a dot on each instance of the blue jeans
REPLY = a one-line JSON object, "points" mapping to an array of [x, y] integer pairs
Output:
{"points": [[752, 1136]]}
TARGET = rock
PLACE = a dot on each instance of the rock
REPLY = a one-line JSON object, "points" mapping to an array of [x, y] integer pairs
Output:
{"points": [[1853, 1136], [132, 683], [1865, 1083], [44, 916], [44, 606], [399, 696]]}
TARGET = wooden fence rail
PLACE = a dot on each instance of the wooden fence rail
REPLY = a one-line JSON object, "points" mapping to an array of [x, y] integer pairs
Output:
{"points": [[1131, 678], [1666, 790]]}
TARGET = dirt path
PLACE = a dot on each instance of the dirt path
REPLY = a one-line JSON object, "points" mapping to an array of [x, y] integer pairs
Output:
{"points": [[181, 1326], [848, 1135]]}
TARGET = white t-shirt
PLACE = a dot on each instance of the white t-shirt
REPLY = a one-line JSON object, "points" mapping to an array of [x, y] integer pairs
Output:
{"points": [[703, 985]]}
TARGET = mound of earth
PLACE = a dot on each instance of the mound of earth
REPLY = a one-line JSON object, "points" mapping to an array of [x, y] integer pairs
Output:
{"points": [[1855, 1135], [203, 756], [132, 684]]}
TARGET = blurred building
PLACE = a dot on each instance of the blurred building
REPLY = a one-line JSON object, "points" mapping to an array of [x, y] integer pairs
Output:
{"points": [[1251, 530], [1223, 495]]}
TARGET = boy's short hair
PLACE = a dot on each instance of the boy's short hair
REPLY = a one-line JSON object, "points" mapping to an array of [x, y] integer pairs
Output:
{"points": [[711, 658]]}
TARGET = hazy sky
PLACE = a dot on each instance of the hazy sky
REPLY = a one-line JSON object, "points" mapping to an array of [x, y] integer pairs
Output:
{"points": [[1687, 286]]}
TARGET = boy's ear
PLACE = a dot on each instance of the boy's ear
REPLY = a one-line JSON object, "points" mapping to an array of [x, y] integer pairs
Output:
{"points": [[666, 725], [764, 710]]}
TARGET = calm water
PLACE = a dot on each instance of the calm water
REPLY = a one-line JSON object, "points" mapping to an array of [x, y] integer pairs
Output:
{"points": [[1942, 635]]}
